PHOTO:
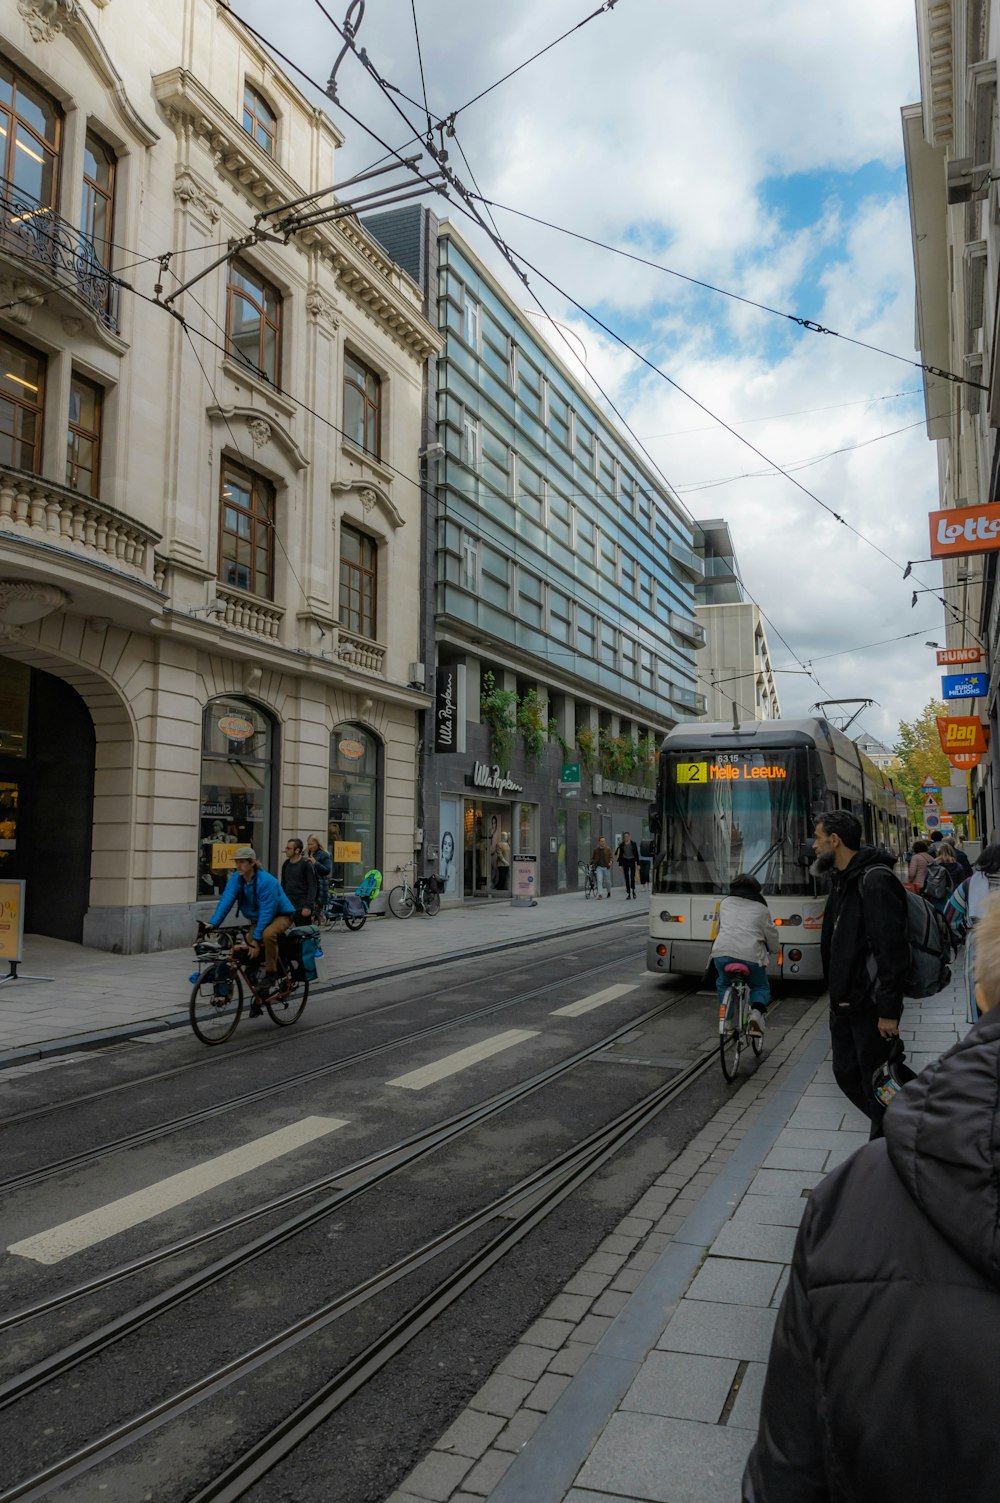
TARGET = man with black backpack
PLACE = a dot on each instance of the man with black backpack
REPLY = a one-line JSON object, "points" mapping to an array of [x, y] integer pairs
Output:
{"points": [[865, 947]]}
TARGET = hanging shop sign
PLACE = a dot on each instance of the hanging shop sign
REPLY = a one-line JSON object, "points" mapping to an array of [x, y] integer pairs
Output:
{"points": [[962, 530], [492, 778], [445, 708], [352, 750], [955, 656], [964, 685], [965, 761], [236, 728], [960, 733]]}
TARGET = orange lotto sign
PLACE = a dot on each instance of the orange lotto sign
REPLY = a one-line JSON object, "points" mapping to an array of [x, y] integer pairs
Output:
{"points": [[960, 733], [961, 530]]}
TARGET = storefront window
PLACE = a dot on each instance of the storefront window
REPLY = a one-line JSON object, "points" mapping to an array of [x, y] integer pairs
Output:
{"points": [[527, 839], [583, 842], [560, 848], [236, 767], [354, 803]]}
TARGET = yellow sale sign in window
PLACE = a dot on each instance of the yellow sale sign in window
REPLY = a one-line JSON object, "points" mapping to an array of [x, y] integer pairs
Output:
{"points": [[347, 850]]}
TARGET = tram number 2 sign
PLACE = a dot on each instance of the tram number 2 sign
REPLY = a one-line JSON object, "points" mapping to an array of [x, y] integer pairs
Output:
{"points": [[692, 772]]}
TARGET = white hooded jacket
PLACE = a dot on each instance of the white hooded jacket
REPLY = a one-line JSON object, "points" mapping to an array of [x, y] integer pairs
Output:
{"points": [[746, 931]]}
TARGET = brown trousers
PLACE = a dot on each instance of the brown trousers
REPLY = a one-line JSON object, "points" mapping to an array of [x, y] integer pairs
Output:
{"points": [[274, 930]]}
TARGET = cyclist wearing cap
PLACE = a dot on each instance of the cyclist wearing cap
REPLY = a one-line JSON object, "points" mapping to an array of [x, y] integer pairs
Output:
{"points": [[746, 933], [260, 900]]}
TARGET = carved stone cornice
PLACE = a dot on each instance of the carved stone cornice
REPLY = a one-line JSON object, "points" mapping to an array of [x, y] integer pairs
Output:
{"points": [[263, 429], [320, 307], [20, 297], [47, 19], [372, 497], [379, 288], [190, 191]]}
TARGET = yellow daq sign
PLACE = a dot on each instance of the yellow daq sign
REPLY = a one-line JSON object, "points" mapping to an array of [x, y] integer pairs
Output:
{"points": [[692, 772], [347, 850]]}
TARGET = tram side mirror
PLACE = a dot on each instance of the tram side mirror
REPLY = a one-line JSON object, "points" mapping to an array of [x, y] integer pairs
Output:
{"points": [[654, 819], [806, 855]]}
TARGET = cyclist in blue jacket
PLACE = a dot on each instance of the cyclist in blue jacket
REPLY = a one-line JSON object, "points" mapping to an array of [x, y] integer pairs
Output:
{"points": [[260, 900]]}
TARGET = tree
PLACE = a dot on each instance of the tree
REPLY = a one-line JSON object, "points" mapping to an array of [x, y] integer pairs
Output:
{"points": [[919, 751]]}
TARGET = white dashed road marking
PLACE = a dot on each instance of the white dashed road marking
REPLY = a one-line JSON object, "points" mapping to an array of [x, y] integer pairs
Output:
{"points": [[587, 1004], [416, 1080]]}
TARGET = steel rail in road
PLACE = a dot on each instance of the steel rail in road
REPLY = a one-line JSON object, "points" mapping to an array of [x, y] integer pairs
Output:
{"points": [[152, 1134], [245, 1051], [383, 1165], [543, 1190]]}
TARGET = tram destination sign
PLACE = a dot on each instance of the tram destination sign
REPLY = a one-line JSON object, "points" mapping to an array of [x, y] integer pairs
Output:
{"points": [[729, 767]]}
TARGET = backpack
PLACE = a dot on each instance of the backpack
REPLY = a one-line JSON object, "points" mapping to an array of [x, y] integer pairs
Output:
{"points": [[937, 883], [931, 946]]}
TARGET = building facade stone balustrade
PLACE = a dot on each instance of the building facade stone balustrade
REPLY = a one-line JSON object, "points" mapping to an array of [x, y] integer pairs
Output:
{"points": [[360, 652], [248, 613], [41, 511]]}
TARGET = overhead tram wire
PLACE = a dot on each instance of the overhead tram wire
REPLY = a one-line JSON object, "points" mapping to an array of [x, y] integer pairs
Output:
{"points": [[420, 60], [809, 324]]}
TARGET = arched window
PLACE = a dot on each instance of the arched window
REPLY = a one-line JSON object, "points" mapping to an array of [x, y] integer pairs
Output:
{"points": [[237, 768], [355, 806], [259, 120]]}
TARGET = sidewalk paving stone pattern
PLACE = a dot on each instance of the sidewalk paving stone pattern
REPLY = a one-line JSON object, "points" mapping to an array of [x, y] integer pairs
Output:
{"points": [[95, 995], [663, 1400]]}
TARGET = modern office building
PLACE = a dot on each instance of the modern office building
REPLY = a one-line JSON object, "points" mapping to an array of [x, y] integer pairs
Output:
{"points": [[560, 614], [209, 529], [734, 664]]}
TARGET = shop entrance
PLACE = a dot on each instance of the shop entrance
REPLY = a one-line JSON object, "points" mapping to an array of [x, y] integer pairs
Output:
{"points": [[487, 829], [47, 748]]}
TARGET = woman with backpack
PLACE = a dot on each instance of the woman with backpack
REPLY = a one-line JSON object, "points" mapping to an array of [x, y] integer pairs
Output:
{"points": [[916, 872], [941, 879]]}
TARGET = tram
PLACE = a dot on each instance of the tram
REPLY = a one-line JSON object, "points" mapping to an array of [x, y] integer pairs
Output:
{"points": [[745, 798]]}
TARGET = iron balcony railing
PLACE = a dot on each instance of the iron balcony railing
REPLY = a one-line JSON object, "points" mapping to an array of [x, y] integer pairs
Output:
{"points": [[40, 235]]}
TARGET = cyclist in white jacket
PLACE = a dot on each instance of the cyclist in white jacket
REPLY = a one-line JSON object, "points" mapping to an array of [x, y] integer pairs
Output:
{"points": [[746, 933]]}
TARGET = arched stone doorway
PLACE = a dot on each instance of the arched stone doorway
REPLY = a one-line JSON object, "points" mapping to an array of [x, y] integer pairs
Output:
{"points": [[47, 761]]}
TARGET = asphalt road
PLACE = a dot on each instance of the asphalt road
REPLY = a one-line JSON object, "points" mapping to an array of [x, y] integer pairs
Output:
{"points": [[343, 1085]]}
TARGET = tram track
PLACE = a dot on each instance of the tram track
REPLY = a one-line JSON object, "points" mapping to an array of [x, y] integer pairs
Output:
{"points": [[156, 1131], [539, 1193], [375, 1169]]}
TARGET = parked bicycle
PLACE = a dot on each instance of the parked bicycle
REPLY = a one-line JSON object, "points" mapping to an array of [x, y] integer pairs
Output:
{"points": [[734, 1020], [352, 907], [424, 893], [226, 965], [589, 879]]}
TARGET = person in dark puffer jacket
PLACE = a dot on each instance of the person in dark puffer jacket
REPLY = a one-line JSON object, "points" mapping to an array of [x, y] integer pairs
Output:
{"points": [[887, 1346]]}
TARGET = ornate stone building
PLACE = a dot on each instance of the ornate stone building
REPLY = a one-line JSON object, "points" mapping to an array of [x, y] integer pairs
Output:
{"points": [[209, 513]]}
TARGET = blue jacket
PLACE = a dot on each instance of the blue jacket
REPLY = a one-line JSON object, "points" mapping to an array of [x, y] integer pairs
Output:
{"points": [[258, 900]]}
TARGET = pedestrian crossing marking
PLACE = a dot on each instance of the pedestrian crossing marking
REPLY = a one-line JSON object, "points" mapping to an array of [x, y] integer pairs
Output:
{"points": [[118, 1216], [462, 1059], [598, 999]]}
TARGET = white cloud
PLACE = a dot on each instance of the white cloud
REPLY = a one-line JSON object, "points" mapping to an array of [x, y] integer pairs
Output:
{"points": [[668, 127]]}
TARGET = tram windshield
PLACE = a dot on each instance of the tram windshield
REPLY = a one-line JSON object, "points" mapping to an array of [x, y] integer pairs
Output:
{"points": [[729, 812]]}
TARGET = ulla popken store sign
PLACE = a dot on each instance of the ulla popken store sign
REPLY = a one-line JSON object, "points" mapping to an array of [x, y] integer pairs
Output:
{"points": [[445, 708]]}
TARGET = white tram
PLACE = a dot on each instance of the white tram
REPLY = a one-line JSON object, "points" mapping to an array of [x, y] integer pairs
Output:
{"points": [[745, 799]]}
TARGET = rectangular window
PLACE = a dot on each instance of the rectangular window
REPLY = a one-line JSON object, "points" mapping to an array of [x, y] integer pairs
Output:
{"points": [[530, 492], [253, 322], [586, 632], [646, 668], [609, 646], [630, 655], [358, 575], [494, 577], [470, 562], [609, 558], [585, 533], [246, 532], [472, 322], [511, 363], [83, 442], [362, 406], [529, 598], [560, 618], [559, 517], [30, 124], [472, 442], [98, 197], [627, 568], [22, 402], [259, 120]]}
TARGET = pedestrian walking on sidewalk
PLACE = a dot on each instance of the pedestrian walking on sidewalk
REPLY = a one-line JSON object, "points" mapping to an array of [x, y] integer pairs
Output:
{"points": [[299, 881], [600, 860], [865, 949], [886, 1350], [627, 856], [322, 863], [746, 933]]}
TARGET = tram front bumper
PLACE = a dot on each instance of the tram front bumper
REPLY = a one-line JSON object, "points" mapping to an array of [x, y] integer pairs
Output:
{"points": [[690, 957]]}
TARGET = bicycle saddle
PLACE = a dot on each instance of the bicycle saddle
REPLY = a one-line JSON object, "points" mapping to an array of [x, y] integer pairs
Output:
{"points": [[737, 968]]}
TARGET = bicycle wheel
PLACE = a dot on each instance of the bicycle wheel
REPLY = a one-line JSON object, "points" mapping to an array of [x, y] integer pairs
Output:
{"points": [[401, 902], [756, 1042], [355, 920], [214, 1019], [432, 902], [589, 888], [730, 1042], [286, 1008]]}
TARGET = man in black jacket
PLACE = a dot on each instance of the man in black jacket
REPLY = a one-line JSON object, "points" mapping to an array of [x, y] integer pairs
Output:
{"points": [[300, 882], [887, 1346], [866, 954]]}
